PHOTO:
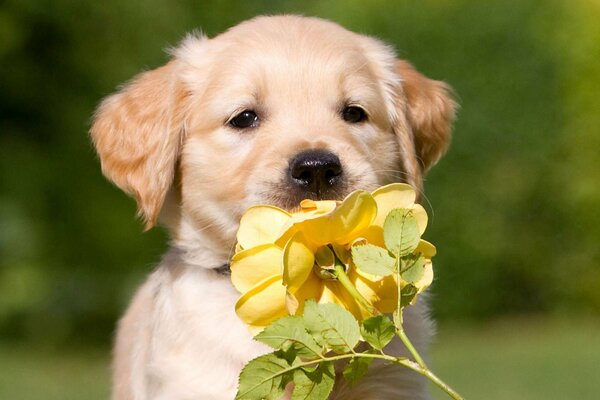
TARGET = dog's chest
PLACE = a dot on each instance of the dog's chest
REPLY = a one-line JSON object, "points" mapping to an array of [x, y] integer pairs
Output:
{"points": [[199, 345]]}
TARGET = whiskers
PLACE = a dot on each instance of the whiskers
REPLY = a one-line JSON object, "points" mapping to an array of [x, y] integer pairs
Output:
{"points": [[401, 176]]}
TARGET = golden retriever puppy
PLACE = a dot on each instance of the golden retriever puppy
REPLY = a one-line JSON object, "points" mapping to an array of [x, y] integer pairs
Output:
{"points": [[275, 110]]}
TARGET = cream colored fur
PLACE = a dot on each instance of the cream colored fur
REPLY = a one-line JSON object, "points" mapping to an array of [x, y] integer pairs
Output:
{"points": [[164, 139]]}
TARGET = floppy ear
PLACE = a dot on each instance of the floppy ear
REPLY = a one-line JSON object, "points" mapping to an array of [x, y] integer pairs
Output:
{"points": [[138, 133], [430, 112]]}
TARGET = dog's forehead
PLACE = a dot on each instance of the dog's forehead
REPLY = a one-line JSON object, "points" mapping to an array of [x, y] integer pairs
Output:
{"points": [[289, 47], [291, 31], [283, 64], [304, 59]]}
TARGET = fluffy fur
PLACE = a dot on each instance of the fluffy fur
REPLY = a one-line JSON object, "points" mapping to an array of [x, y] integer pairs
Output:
{"points": [[164, 139]]}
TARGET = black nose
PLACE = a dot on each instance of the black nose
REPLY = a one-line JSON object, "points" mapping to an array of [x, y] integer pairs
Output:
{"points": [[316, 171]]}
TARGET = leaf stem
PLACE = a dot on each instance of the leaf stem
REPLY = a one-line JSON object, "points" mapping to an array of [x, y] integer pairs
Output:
{"points": [[342, 277], [398, 320], [441, 384], [411, 348], [396, 360]]}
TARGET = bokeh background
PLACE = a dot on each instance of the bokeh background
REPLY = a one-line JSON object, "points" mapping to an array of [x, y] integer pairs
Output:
{"points": [[515, 203]]}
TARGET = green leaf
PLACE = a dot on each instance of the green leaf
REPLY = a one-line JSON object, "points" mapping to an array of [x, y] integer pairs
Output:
{"points": [[415, 268], [332, 326], [373, 260], [407, 294], [356, 369], [378, 331], [265, 377], [290, 333], [314, 384], [401, 232]]}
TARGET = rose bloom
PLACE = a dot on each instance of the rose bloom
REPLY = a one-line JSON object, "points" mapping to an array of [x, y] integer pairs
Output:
{"points": [[283, 259]]}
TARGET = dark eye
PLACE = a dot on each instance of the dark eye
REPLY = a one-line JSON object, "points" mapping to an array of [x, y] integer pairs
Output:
{"points": [[354, 114], [245, 119]]}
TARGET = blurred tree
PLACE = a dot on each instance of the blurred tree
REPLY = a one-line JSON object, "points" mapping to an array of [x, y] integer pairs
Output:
{"points": [[515, 201]]}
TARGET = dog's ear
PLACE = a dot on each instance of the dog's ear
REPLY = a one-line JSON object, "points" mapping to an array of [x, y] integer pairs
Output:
{"points": [[430, 111], [138, 134]]}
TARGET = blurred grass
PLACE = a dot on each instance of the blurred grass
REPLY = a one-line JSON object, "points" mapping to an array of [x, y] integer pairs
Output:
{"points": [[29, 373], [514, 203], [524, 359]]}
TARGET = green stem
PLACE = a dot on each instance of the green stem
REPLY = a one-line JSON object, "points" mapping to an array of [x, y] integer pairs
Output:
{"points": [[441, 384], [411, 348], [398, 321], [396, 360], [419, 366], [342, 277]]}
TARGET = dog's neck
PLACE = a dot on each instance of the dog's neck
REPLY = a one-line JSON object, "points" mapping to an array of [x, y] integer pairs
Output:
{"points": [[198, 249]]}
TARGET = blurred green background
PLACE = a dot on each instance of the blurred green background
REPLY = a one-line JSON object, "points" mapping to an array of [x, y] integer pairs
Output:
{"points": [[516, 201]]}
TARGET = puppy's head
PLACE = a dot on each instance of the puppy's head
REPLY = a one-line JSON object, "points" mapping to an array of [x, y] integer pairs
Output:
{"points": [[275, 110]]}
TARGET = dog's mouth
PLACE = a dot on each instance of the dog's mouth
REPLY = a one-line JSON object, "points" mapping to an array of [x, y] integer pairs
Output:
{"points": [[288, 198], [315, 174]]}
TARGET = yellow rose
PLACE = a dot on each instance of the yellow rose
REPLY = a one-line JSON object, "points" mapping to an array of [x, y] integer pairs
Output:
{"points": [[282, 259]]}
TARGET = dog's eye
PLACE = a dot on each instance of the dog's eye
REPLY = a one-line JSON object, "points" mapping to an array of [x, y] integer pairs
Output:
{"points": [[245, 119], [354, 114]]}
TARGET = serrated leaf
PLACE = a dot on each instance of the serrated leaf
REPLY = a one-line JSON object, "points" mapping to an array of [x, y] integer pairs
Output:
{"points": [[378, 331], [373, 260], [415, 269], [356, 369], [401, 232], [314, 384], [407, 294], [333, 326], [264, 377], [290, 332]]}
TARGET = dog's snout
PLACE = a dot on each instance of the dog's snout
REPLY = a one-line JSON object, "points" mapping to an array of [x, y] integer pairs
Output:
{"points": [[315, 171]]}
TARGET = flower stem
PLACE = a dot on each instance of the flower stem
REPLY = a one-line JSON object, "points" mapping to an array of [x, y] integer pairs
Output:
{"points": [[342, 277], [419, 366], [396, 360], [411, 348], [441, 384]]}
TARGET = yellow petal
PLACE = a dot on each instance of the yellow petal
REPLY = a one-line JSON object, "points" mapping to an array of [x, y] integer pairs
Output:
{"points": [[238, 248], [396, 195], [426, 279], [261, 225], [342, 253], [298, 261], [427, 249], [372, 234], [309, 209], [354, 214], [421, 216], [312, 288], [251, 266], [383, 293], [308, 204], [264, 303], [339, 295], [332, 293]]}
